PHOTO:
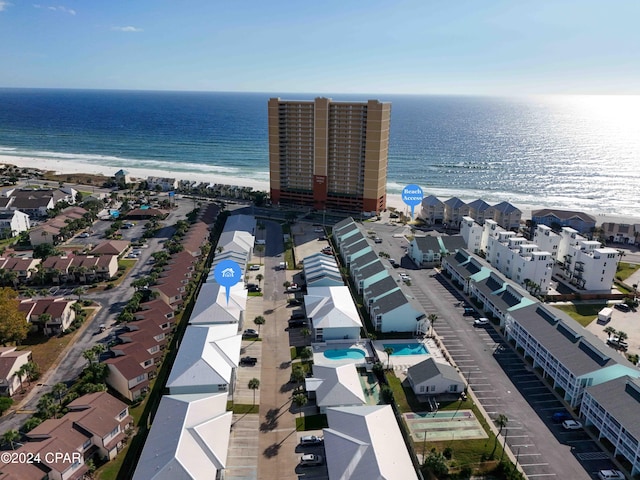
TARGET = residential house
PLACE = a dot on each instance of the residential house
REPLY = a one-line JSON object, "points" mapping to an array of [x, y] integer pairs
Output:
{"points": [[44, 234], [332, 314], [207, 360], [188, 439], [425, 251], [321, 271], [13, 222], [394, 312], [569, 356], [507, 216], [21, 268], [111, 247], [378, 289], [10, 362], [435, 378], [51, 316], [171, 290], [611, 408], [454, 210], [127, 377], [241, 223], [163, 184], [335, 386], [372, 273], [122, 176], [432, 210], [580, 221], [365, 442], [212, 307], [621, 232]]}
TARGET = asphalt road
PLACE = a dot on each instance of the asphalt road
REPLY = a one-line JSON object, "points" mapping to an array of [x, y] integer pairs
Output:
{"points": [[111, 303]]}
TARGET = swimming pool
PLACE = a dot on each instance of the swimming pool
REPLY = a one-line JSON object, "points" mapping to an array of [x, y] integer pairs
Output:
{"points": [[406, 348], [344, 354]]}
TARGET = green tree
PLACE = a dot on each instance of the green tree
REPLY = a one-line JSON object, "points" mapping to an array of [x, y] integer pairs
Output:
{"points": [[13, 324], [305, 332], [259, 321], [610, 331], [33, 371], [10, 437], [622, 336], [59, 391], [259, 278], [254, 384], [22, 373], [432, 320], [89, 355], [386, 394], [436, 463], [5, 404], [297, 376], [300, 400], [501, 421], [389, 352], [306, 353], [79, 291]]}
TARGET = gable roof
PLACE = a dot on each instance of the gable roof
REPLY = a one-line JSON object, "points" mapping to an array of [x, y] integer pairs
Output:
{"points": [[429, 368], [427, 243], [206, 358], [506, 208], [111, 247], [432, 201], [563, 214], [365, 442], [620, 398], [211, 305], [189, 438], [340, 385], [331, 307]]}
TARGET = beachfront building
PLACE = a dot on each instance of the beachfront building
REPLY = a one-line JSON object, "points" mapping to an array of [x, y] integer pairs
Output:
{"points": [[454, 210], [507, 216], [569, 356], [164, 184], [122, 176], [189, 439], [365, 442], [585, 264], [612, 408], [329, 155], [332, 314], [435, 378], [621, 233], [554, 218], [432, 210], [509, 253], [13, 222]]}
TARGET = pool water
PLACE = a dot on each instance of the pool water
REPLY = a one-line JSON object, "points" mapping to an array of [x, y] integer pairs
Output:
{"points": [[344, 353], [406, 348]]}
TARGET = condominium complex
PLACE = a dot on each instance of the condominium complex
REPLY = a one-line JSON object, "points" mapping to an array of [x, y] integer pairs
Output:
{"points": [[329, 155]]}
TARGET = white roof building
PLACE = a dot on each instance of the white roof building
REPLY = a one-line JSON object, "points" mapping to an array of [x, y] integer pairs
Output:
{"points": [[206, 360], [365, 442], [240, 223], [336, 386], [236, 241], [332, 313], [189, 439], [211, 305]]}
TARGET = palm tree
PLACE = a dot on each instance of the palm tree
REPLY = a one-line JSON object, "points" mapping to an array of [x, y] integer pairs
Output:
{"points": [[254, 384], [89, 355], [622, 336], [79, 291], [610, 331], [33, 371], [259, 320], [300, 400], [60, 391], [259, 278], [260, 250], [306, 353], [389, 352], [305, 332], [10, 436], [501, 422], [432, 319], [297, 376], [22, 372]]}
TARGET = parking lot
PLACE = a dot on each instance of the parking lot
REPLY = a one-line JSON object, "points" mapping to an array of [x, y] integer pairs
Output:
{"points": [[499, 378]]}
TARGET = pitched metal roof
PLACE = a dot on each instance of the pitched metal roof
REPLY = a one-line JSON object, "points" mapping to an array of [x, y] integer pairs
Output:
{"points": [[621, 399], [429, 368]]}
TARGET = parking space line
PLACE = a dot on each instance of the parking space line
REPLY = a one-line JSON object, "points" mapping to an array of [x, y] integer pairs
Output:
{"points": [[545, 401], [541, 475], [527, 454]]}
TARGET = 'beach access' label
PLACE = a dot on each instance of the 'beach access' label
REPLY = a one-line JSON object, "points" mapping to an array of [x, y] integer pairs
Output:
{"points": [[412, 195]]}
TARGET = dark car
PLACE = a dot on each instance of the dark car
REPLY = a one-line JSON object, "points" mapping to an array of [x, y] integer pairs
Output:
{"points": [[560, 417], [623, 307], [248, 361], [297, 323], [254, 289], [469, 312], [250, 332], [298, 314]]}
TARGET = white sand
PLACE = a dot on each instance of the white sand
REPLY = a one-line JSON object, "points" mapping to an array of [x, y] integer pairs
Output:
{"points": [[393, 200]]}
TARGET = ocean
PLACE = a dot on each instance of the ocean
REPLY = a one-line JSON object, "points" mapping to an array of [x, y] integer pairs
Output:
{"points": [[572, 152]]}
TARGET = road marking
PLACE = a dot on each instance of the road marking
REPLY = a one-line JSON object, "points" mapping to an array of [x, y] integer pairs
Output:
{"points": [[541, 475], [526, 454], [533, 465]]}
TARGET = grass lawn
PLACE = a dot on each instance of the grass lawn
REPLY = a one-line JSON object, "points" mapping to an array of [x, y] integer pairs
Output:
{"points": [[625, 270], [243, 409], [584, 314], [311, 422]]}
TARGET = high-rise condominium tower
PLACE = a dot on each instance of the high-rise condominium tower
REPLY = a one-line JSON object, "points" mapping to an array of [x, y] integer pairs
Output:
{"points": [[329, 155]]}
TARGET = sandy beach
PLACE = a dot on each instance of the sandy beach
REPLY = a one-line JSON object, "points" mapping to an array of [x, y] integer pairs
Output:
{"points": [[393, 200]]}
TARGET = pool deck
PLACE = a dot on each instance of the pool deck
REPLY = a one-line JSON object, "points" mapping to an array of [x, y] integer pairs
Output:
{"points": [[362, 345], [401, 363]]}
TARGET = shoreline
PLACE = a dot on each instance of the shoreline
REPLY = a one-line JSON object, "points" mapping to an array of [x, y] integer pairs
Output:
{"points": [[393, 200]]}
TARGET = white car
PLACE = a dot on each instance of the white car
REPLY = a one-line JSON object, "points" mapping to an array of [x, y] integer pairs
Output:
{"points": [[610, 475], [311, 440], [318, 230], [253, 268], [481, 321], [311, 459], [571, 425]]}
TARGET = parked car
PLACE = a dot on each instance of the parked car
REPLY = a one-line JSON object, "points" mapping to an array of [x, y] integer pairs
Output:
{"points": [[318, 230], [623, 307], [251, 361], [479, 322], [84, 235], [311, 440], [250, 332], [618, 344], [571, 425], [254, 289], [253, 268], [377, 240], [295, 302], [469, 311], [297, 323], [610, 475], [311, 459], [297, 314], [560, 417]]}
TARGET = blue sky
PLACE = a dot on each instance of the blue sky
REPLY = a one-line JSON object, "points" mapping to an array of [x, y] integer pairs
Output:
{"points": [[333, 46]]}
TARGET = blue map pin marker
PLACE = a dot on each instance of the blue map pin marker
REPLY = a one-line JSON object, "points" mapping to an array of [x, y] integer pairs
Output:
{"points": [[227, 273], [412, 195]]}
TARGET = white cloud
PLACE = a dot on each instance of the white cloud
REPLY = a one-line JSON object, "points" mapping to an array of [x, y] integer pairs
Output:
{"points": [[59, 8], [128, 28], [4, 5]]}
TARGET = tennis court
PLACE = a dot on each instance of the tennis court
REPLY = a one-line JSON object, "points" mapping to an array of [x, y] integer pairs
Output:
{"points": [[444, 425]]}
